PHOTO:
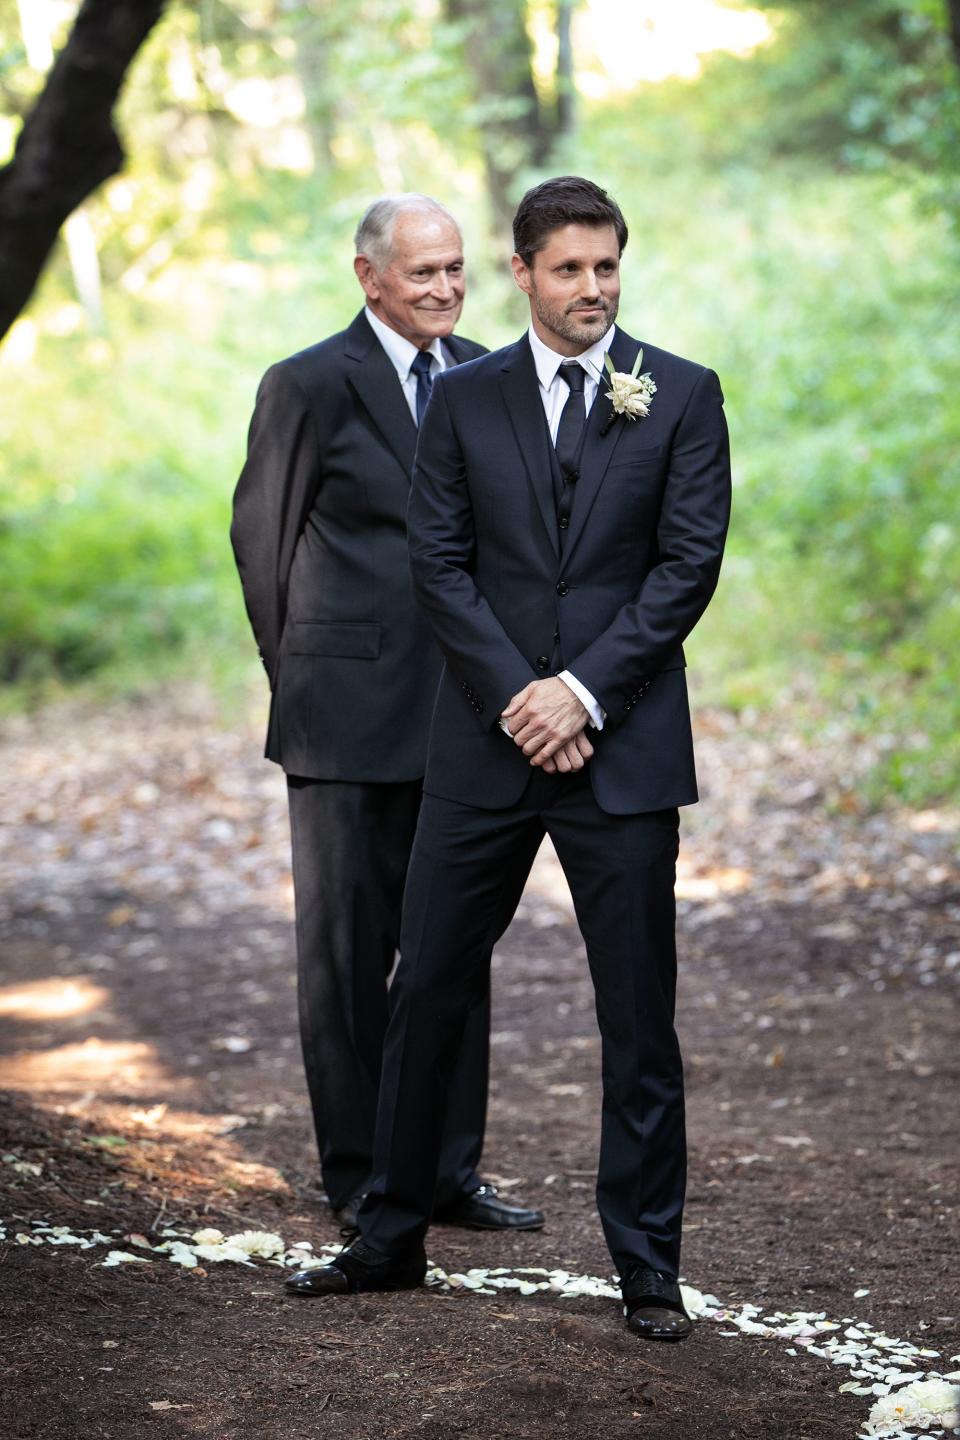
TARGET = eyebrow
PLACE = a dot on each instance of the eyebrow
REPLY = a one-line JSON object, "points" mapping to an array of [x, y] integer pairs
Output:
{"points": [[576, 260]]}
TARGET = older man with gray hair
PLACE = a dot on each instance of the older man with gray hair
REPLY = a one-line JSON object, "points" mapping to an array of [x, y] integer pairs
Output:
{"points": [[319, 534]]}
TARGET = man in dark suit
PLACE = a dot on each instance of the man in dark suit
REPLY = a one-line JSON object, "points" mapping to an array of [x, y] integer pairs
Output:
{"points": [[563, 544], [319, 533]]}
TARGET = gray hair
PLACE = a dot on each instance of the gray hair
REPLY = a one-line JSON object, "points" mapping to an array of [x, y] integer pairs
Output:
{"points": [[374, 235]]}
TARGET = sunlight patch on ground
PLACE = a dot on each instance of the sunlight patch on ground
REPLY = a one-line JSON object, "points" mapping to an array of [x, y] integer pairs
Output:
{"points": [[929, 822], [548, 883], [711, 884], [53, 999], [127, 1063]]}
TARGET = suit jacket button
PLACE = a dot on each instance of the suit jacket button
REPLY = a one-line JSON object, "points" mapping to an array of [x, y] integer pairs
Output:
{"points": [[564, 521], [562, 587]]}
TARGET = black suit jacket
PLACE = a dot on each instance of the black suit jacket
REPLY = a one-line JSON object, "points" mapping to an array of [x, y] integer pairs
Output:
{"points": [[613, 603], [319, 534]]}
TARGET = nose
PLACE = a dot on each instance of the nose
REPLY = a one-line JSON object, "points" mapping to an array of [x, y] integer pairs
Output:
{"points": [[442, 288]]}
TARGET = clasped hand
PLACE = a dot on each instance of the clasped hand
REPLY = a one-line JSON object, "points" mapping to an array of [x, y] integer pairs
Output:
{"points": [[548, 722]]}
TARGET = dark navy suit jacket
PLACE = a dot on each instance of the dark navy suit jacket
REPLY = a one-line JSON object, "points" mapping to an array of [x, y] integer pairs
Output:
{"points": [[611, 598], [319, 534]]}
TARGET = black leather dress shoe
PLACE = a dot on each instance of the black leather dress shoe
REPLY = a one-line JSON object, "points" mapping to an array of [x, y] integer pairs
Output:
{"points": [[484, 1210], [653, 1305], [360, 1267]]}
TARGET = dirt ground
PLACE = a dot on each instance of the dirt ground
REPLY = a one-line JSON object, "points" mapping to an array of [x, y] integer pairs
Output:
{"points": [[151, 1071]]}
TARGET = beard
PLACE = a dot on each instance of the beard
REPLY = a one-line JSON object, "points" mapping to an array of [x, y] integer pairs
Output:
{"points": [[569, 323]]}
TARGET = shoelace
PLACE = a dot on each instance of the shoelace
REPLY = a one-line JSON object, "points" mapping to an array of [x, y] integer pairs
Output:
{"points": [[641, 1280]]}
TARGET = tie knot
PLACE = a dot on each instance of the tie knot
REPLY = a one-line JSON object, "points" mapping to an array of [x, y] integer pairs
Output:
{"points": [[421, 363], [574, 375]]}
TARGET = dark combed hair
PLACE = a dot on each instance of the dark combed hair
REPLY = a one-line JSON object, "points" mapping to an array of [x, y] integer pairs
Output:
{"points": [[565, 200]]}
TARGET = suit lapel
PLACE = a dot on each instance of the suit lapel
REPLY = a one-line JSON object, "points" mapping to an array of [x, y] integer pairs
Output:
{"points": [[457, 350], [374, 380], [598, 447], [521, 394]]}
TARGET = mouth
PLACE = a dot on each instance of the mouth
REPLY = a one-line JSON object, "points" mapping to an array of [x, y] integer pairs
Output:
{"points": [[588, 310]]}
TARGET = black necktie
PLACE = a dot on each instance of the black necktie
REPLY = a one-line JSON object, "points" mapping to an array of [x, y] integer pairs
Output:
{"points": [[421, 368], [572, 419]]}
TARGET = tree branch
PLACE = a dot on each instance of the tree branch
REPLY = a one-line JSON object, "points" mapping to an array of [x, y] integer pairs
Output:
{"points": [[68, 145]]}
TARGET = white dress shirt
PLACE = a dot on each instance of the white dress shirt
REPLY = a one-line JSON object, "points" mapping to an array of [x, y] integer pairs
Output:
{"points": [[554, 393], [401, 353]]}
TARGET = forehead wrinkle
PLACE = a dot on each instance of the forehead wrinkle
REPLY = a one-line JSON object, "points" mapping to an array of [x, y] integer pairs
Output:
{"points": [[427, 262]]}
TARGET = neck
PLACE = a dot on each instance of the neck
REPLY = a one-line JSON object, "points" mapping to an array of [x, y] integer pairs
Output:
{"points": [[557, 343]]}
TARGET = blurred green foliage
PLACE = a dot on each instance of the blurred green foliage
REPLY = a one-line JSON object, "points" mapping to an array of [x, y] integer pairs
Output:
{"points": [[793, 224]]}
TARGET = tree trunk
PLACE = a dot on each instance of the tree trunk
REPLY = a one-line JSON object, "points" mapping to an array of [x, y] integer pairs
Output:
{"points": [[953, 16], [512, 133], [68, 145], [566, 93]]}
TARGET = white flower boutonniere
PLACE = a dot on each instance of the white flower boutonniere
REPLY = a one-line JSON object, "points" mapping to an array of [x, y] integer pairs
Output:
{"points": [[630, 395]]}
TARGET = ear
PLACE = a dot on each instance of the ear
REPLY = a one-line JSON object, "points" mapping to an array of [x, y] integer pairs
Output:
{"points": [[521, 274], [367, 276]]}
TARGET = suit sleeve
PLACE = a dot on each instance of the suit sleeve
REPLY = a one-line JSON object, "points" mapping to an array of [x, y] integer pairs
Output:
{"points": [[623, 660], [442, 541], [276, 489]]}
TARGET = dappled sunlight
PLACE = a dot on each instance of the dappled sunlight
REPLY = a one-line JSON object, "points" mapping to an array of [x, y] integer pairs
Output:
{"points": [[934, 822], [129, 1064], [52, 999], [654, 40], [709, 884], [695, 881], [177, 1149]]}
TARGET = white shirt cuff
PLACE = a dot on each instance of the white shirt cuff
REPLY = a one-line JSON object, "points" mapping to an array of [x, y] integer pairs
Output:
{"points": [[593, 708]]}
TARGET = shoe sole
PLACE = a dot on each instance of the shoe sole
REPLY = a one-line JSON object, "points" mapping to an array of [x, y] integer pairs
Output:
{"points": [[500, 1229], [361, 1290]]}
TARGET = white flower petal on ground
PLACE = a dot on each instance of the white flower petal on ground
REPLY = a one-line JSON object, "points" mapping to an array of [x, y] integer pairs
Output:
{"points": [[63, 1235], [220, 1253], [123, 1257], [925, 1403], [23, 1167], [207, 1237], [696, 1303], [257, 1242], [179, 1253]]}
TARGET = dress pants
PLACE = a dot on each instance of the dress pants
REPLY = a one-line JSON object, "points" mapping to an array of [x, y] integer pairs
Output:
{"points": [[621, 870], [351, 846]]}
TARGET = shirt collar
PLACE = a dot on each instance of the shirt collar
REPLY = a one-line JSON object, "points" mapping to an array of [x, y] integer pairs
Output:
{"points": [[548, 362], [400, 351]]}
